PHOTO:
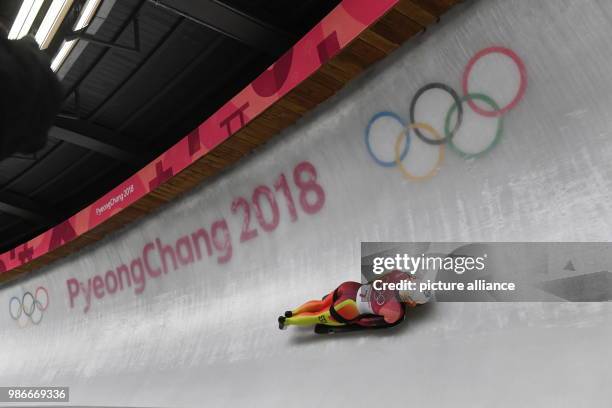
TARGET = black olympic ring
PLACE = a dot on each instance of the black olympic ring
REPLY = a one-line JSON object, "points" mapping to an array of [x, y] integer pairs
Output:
{"points": [[454, 95], [455, 109], [29, 308]]}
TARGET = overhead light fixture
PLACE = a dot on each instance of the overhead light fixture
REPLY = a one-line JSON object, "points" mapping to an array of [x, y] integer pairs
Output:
{"points": [[52, 21], [61, 55], [25, 18], [87, 14], [89, 10]]}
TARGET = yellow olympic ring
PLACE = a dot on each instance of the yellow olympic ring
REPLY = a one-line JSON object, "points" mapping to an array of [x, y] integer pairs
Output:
{"points": [[398, 143]]}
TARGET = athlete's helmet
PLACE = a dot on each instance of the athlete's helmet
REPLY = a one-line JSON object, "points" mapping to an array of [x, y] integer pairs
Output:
{"points": [[416, 296]]}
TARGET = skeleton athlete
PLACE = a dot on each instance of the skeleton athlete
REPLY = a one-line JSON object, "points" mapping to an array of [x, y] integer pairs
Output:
{"points": [[360, 306]]}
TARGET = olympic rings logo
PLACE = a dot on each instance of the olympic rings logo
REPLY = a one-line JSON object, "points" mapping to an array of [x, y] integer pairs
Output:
{"points": [[380, 298], [402, 143], [29, 307]]}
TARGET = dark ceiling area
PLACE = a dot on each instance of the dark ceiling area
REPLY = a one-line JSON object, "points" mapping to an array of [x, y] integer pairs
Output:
{"points": [[151, 73], [8, 11]]}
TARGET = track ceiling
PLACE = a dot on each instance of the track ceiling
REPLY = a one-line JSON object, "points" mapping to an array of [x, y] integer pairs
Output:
{"points": [[123, 107]]}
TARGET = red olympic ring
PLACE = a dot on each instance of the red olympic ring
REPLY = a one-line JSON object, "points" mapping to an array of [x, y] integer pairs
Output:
{"points": [[39, 305], [523, 84]]}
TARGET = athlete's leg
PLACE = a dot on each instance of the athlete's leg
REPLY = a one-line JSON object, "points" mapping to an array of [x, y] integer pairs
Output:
{"points": [[312, 306], [346, 308], [311, 318], [317, 311], [347, 290]]}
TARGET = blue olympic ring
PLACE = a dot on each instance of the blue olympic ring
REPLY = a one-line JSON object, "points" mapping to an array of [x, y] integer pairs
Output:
{"points": [[367, 138]]}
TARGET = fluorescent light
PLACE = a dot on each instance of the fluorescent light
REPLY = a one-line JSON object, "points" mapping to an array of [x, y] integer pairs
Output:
{"points": [[51, 22], [87, 14], [25, 17], [61, 55]]}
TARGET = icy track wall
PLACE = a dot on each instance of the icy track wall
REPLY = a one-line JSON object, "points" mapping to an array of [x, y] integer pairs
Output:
{"points": [[180, 310]]}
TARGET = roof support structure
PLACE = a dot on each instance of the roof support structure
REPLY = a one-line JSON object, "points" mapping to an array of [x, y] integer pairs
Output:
{"points": [[26, 209], [94, 138], [232, 23], [83, 35]]}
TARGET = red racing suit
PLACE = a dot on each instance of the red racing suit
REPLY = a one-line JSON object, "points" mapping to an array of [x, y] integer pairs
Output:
{"points": [[375, 307]]}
